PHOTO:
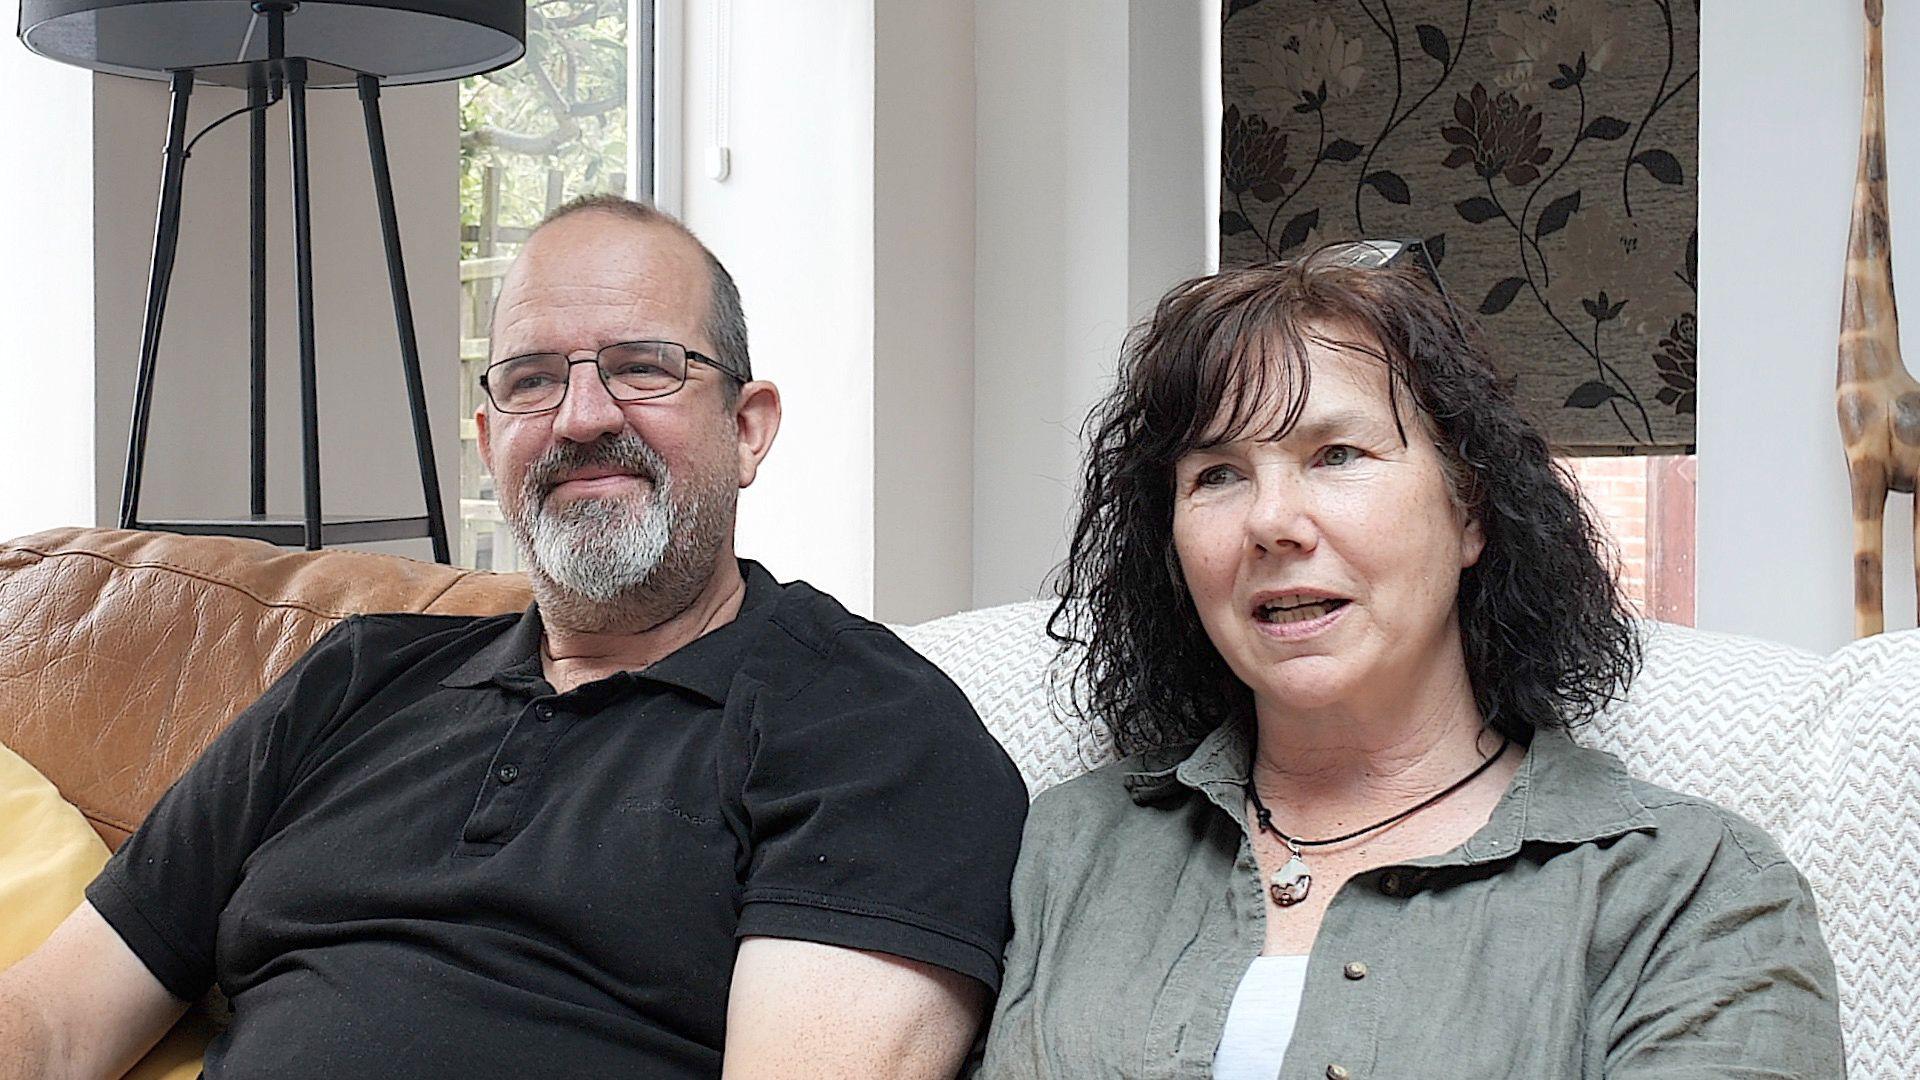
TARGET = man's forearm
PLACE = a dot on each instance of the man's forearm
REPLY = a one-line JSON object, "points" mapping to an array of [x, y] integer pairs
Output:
{"points": [[27, 1050]]}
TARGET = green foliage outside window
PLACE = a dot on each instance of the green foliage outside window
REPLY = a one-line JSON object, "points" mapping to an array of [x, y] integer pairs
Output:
{"points": [[562, 108]]}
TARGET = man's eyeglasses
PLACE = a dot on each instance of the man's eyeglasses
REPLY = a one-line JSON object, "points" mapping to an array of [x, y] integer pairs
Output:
{"points": [[630, 370]]}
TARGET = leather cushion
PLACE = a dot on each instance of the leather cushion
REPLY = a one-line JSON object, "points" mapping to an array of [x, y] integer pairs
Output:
{"points": [[122, 654]]}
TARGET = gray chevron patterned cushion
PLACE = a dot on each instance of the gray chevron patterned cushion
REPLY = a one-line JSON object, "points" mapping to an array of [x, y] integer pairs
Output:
{"points": [[1824, 752]]}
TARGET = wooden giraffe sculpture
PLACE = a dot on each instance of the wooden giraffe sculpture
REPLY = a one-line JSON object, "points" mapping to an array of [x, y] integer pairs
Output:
{"points": [[1879, 401]]}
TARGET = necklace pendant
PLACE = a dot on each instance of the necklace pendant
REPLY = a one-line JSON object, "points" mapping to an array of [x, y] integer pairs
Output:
{"points": [[1291, 882]]}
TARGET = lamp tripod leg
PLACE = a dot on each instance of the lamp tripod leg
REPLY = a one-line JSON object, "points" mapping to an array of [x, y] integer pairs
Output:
{"points": [[166, 242], [257, 282], [303, 275], [403, 318]]}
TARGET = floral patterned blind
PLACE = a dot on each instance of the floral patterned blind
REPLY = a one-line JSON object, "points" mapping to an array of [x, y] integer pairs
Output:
{"points": [[1544, 149]]}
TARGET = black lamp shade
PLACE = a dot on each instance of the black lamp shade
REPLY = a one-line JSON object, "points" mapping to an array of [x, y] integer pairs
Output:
{"points": [[398, 41]]}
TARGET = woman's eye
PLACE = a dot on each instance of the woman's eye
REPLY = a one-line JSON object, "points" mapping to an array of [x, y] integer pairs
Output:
{"points": [[1339, 455], [1213, 476]]}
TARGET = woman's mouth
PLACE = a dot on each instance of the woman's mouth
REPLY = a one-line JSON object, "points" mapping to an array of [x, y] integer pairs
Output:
{"points": [[1298, 616]]}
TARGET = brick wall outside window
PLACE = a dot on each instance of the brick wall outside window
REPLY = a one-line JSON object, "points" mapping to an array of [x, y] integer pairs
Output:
{"points": [[1646, 505]]}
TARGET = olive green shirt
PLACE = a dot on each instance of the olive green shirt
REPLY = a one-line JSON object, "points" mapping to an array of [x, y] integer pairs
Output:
{"points": [[1596, 926]]}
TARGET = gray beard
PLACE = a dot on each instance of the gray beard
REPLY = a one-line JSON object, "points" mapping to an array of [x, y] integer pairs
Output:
{"points": [[601, 549], [627, 562]]}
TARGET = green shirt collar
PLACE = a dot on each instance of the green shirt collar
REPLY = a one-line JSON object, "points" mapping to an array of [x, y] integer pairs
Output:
{"points": [[1564, 793]]}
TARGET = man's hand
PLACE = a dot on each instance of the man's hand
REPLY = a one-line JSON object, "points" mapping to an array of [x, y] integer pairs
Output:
{"points": [[81, 1006], [799, 1009]]}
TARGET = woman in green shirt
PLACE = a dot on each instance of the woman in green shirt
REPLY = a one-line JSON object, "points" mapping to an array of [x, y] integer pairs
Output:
{"points": [[1337, 604]]}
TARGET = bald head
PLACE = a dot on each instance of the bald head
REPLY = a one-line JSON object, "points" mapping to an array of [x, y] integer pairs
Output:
{"points": [[589, 218]]}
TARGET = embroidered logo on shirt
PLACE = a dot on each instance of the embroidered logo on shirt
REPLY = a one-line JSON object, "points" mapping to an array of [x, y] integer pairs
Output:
{"points": [[635, 804]]}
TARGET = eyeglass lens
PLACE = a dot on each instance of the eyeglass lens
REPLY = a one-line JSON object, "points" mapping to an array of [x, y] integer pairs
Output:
{"points": [[632, 372], [1370, 254]]}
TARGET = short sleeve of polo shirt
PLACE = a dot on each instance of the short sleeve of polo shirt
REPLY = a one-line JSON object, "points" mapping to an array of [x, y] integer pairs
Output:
{"points": [[883, 815], [164, 891]]}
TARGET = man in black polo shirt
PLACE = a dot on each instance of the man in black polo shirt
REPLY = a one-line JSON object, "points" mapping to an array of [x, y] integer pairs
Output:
{"points": [[675, 820]]}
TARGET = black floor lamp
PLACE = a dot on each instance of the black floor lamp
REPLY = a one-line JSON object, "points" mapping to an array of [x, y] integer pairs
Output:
{"points": [[279, 49]]}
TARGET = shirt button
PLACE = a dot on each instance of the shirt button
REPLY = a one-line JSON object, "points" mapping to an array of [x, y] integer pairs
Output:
{"points": [[1337, 1072], [1390, 883], [507, 774], [544, 712], [1355, 970]]}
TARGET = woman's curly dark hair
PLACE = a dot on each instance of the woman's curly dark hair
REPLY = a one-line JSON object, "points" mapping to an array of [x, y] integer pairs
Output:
{"points": [[1548, 638]]}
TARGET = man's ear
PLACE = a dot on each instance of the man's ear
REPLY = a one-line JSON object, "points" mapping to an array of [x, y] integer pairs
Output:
{"points": [[486, 441], [756, 420]]}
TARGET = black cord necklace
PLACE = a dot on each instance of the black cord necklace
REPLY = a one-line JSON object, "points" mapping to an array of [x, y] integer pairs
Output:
{"points": [[1291, 882]]}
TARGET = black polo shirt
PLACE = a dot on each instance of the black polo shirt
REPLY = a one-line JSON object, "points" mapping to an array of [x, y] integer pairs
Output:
{"points": [[412, 858]]}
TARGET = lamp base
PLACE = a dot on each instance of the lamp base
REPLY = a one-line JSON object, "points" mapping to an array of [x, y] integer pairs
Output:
{"points": [[288, 530]]}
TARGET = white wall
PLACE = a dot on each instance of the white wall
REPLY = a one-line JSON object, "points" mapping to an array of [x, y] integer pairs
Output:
{"points": [[197, 446], [1093, 126], [794, 224], [46, 294], [1051, 269], [923, 349], [943, 220], [848, 220], [1779, 128], [1173, 146]]}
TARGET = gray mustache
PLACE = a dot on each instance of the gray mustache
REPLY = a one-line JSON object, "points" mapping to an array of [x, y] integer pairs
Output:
{"points": [[626, 452]]}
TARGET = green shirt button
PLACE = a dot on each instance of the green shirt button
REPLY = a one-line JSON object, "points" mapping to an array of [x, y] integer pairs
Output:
{"points": [[1390, 883], [1356, 970], [1337, 1072]]}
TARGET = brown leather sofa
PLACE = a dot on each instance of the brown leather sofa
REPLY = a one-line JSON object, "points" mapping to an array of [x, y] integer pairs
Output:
{"points": [[122, 654]]}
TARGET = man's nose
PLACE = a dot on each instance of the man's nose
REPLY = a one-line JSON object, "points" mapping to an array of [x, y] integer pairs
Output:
{"points": [[1282, 514], [589, 410]]}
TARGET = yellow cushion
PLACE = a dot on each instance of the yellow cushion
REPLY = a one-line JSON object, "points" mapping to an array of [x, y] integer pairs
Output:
{"points": [[48, 854]]}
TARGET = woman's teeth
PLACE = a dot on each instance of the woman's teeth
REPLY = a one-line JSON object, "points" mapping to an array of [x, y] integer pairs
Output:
{"points": [[1270, 613]]}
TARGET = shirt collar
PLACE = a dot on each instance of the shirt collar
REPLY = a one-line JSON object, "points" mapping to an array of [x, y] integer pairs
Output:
{"points": [[1564, 793], [1217, 767], [704, 666]]}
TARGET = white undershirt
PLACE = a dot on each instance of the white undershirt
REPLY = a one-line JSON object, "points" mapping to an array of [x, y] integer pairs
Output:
{"points": [[1260, 1020]]}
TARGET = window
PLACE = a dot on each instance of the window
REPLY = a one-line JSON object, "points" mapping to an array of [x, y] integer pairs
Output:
{"points": [[1647, 507], [574, 117]]}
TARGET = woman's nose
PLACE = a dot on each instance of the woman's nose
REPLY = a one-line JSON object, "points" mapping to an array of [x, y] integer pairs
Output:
{"points": [[1281, 515]]}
